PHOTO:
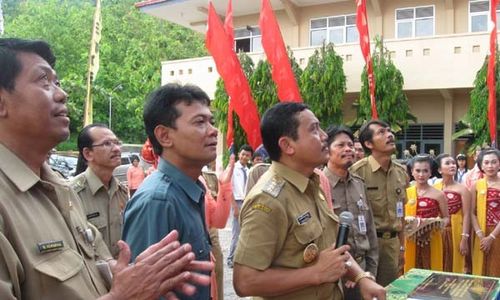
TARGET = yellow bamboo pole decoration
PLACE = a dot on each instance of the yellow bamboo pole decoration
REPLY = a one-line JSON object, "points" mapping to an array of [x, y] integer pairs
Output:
{"points": [[93, 62]]}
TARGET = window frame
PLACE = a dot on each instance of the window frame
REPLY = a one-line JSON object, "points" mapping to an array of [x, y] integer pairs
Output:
{"points": [[328, 29], [413, 21], [251, 37], [487, 13]]}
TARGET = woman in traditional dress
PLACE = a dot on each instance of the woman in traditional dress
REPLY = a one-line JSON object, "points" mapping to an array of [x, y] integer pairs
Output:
{"points": [[425, 202], [486, 215], [456, 236]]}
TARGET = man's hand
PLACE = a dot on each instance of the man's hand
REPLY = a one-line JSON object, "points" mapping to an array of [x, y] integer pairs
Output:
{"points": [[331, 264], [236, 210], [371, 290], [158, 271], [227, 175]]}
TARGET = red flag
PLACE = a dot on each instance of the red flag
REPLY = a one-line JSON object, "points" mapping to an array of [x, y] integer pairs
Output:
{"points": [[228, 22], [235, 82], [364, 43], [273, 45], [492, 99], [229, 29]]}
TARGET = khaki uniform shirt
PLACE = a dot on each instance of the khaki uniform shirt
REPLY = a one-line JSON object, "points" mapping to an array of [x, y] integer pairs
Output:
{"points": [[212, 182], [384, 190], [47, 249], [103, 207], [349, 195], [282, 214], [254, 175]]}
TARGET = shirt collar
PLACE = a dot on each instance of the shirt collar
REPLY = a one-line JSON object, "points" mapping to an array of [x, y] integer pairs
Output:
{"points": [[295, 178], [194, 189], [373, 164], [239, 165], [334, 178], [20, 174], [95, 183]]}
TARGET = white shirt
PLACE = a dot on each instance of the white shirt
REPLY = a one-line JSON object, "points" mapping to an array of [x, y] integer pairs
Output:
{"points": [[239, 181]]}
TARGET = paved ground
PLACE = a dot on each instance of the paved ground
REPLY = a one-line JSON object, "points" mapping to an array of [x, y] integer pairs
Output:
{"points": [[225, 240]]}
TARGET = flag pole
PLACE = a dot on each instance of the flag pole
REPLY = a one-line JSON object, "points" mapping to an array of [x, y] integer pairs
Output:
{"points": [[93, 62], [1, 19]]}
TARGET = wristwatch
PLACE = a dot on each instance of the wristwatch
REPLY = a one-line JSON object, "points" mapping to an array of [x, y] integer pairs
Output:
{"points": [[363, 275], [402, 248]]}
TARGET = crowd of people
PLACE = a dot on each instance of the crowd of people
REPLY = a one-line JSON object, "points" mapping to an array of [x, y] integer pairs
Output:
{"points": [[95, 238]]}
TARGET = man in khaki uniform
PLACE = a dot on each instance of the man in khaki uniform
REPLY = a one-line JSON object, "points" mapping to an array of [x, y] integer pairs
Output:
{"points": [[254, 175], [385, 182], [102, 195], [286, 247], [348, 194], [47, 248]]}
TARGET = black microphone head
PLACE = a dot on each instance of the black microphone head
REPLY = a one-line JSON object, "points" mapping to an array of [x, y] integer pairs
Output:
{"points": [[346, 218]]}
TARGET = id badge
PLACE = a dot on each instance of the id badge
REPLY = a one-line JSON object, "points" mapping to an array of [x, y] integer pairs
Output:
{"points": [[399, 209], [362, 224]]}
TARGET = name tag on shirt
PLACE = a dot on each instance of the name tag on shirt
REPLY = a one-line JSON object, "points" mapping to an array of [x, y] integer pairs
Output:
{"points": [[93, 215], [50, 246], [362, 224], [399, 209], [304, 218]]}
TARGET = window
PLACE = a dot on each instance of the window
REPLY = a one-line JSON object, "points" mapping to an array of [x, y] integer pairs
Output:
{"points": [[248, 39], [424, 136], [336, 30], [479, 15], [414, 22]]}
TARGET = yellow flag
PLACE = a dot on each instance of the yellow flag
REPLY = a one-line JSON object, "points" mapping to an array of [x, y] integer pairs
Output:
{"points": [[93, 62]]}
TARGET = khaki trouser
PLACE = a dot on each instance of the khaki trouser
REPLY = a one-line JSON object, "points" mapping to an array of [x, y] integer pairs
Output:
{"points": [[388, 260], [219, 262]]}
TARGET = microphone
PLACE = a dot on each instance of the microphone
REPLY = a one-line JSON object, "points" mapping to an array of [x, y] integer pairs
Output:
{"points": [[345, 223]]}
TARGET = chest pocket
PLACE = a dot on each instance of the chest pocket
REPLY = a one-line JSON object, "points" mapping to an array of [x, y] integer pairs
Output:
{"points": [[308, 232], [98, 221], [61, 265], [79, 228]]}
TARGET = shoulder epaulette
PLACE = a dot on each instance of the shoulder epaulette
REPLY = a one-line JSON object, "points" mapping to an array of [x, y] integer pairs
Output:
{"points": [[122, 186], [78, 183], [357, 165], [356, 176], [274, 186], [398, 164]]}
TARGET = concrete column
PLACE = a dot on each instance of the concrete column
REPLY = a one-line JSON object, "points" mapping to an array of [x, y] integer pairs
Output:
{"points": [[448, 121]]}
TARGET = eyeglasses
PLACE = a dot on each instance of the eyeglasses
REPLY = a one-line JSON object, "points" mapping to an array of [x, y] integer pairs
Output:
{"points": [[109, 144]]}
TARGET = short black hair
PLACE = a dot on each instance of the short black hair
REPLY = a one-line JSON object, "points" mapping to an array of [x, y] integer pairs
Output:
{"points": [[461, 156], [160, 107], [332, 131], [247, 148], [11, 66], [278, 121], [134, 157], [485, 152], [366, 134], [84, 140]]}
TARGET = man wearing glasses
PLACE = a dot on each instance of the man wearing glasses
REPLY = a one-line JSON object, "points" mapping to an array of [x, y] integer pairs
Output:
{"points": [[102, 196]]}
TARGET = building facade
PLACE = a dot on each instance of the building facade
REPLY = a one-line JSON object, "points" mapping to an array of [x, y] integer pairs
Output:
{"points": [[438, 45]]}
